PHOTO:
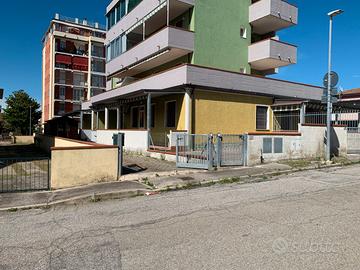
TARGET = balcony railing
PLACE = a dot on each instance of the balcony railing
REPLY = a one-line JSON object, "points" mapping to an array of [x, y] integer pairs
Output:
{"points": [[270, 54], [164, 46], [272, 15]]}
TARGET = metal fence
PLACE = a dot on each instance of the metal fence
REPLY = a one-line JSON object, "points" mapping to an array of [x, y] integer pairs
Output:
{"points": [[290, 121], [24, 174], [286, 122]]}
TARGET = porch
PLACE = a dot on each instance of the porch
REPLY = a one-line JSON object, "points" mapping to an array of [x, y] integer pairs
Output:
{"points": [[150, 120]]}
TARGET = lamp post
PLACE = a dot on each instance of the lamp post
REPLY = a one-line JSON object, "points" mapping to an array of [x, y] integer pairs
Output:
{"points": [[331, 14], [30, 120]]}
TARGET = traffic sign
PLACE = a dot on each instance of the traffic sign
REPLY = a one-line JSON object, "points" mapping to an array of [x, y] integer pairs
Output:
{"points": [[334, 79]]}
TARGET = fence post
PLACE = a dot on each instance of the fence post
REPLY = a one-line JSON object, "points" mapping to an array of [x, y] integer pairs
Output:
{"points": [[120, 143], [177, 149], [219, 150], [245, 149], [210, 151], [48, 173]]}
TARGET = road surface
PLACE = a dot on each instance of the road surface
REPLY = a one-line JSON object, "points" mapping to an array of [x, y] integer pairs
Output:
{"points": [[307, 220]]}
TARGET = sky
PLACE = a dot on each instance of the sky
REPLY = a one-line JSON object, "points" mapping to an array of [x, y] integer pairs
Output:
{"points": [[24, 22]]}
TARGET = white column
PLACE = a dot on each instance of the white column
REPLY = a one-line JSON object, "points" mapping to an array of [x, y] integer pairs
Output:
{"points": [[92, 120], [188, 109], [81, 120], [97, 120], [106, 118], [118, 118], [89, 71]]}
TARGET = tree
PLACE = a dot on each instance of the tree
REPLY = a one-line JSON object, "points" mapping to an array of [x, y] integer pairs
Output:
{"points": [[16, 114]]}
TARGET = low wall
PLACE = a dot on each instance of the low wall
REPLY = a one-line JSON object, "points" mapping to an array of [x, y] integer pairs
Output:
{"points": [[75, 163], [135, 140], [23, 139], [308, 143], [80, 166], [47, 142]]}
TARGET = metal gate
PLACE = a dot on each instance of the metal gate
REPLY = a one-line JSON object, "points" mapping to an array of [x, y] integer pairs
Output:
{"points": [[24, 174], [230, 150], [206, 151], [194, 151], [353, 140]]}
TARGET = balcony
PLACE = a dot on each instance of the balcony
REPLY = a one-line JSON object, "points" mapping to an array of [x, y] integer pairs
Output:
{"points": [[272, 15], [154, 12], [270, 54], [162, 47]]}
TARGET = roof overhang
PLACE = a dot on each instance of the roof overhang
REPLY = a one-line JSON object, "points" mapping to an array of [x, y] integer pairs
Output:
{"points": [[211, 79]]}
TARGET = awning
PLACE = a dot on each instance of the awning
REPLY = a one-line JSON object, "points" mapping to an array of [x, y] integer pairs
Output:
{"points": [[63, 59], [80, 61]]}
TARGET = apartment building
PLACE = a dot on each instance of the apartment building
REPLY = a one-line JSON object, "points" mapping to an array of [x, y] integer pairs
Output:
{"points": [[195, 66], [73, 65]]}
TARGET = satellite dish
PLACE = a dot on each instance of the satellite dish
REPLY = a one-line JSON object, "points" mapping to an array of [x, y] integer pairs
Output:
{"points": [[334, 79]]}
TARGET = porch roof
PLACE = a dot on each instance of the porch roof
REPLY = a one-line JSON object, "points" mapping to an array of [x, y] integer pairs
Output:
{"points": [[193, 76]]}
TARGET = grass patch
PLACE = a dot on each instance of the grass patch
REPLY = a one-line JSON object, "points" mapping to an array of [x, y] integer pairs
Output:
{"points": [[297, 163]]}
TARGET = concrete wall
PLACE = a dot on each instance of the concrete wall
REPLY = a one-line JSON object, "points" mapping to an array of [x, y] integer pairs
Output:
{"points": [[47, 142], [24, 139], [74, 167], [309, 143], [75, 163], [135, 140]]}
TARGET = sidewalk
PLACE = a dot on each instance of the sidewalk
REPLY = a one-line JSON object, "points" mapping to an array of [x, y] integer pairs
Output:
{"points": [[147, 185], [113, 190]]}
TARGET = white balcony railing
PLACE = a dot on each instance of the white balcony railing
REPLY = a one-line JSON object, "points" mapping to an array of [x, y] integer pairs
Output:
{"points": [[270, 54], [272, 15], [164, 46]]}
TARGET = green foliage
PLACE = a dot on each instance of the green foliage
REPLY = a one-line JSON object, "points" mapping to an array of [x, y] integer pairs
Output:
{"points": [[16, 114]]}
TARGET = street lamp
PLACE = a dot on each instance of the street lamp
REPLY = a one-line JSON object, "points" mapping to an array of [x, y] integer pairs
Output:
{"points": [[331, 14]]}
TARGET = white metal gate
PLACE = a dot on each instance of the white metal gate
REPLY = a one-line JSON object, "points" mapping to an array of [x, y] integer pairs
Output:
{"points": [[208, 151]]}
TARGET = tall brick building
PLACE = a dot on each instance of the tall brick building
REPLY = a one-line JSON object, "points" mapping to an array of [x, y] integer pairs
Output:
{"points": [[73, 67]]}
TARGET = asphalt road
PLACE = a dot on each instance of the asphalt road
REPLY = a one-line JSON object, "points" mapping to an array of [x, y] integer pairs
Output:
{"points": [[309, 220]]}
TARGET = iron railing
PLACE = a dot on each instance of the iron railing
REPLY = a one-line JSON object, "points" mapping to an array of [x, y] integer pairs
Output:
{"points": [[286, 122], [24, 174], [290, 121]]}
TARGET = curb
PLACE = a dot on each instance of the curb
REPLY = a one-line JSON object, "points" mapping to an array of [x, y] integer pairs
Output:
{"points": [[95, 197], [123, 194]]}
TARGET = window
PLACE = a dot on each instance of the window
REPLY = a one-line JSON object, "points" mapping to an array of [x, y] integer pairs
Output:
{"points": [[262, 117], [170, 114], [243, 32], [78, 94], [98, 65], [98, 81], [79, 79], [138, 117], [97, 50], [62, 90], [61, 108]]}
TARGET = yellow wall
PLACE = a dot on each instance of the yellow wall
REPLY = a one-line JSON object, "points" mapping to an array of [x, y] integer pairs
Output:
{"points": [[74, 167], [215, 112]]}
